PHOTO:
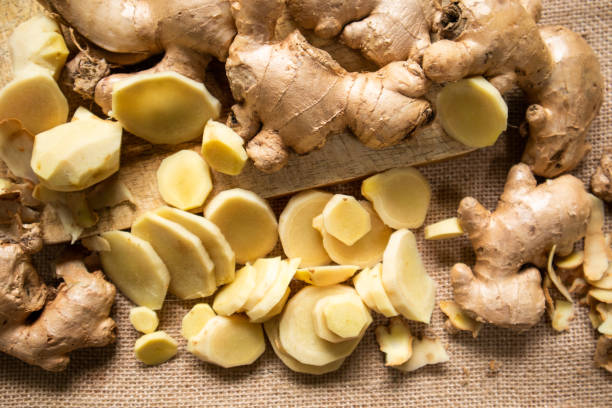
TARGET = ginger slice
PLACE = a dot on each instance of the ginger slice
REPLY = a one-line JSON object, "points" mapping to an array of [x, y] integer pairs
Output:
{"points": [[472, 111], [191, 269], [258, 312], [448, 228], [96, 243], [603, 295], [605, 312], [595, 248], [400, 196], [144, 319], [135, 268], [212, 238], [561, 315], [223, 149], [183, 180], [228, 342], [326, 275], [163, 107], [458, 319], [395, 341], [297, 235], [555, 278], [16, 146], [247, 222], [155, 348], [195, 320], [341, 317], [606, 281], [364, 253], [278, 308], [267, 271], [572, 261], [368, 284], [345, 220], [424, 352], [232, 297], [410, 289]]}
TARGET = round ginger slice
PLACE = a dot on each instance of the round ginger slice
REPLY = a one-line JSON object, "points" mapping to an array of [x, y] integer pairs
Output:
{"points": [[340, 318], [297, 331], [155, 348], [144, 319], [298, 238], [232, 297], [247, 222], [345, 219], [183, 180], [163, 107], [400, 196], [228, 342]]}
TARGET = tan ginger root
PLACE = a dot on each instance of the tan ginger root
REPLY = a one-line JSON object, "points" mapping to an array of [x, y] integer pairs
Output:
{"points": [[300, 95], [601, 182], [528, 221]]}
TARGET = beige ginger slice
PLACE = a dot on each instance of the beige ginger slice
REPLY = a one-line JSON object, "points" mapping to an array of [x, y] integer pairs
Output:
{"points": [[163, 107], [395, 341], [223, 148], [458, 319], [326, 275], [606, 281], [424, 352], [247, 222], [267, 271], [155, 348], [603, 295], [16, 146], [448, 228], [278, 308], [605, 312], [135, 268], [410, 289], [400, 196], [228, 342], [345, 220], [96, 243], [261, 310], [595, 247], [472, 111], [232, 297], [561, 315], [341, 317], [297, 235], [144, 319], [572, 261], [368, 284], [195, 320], [191, 269], [183, 180]]}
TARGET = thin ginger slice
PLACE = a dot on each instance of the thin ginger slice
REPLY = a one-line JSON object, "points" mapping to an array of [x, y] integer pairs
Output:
{"points": [[572, 261], [260, 311], [267, 271], [278, 308], [603, 295], [326, 275], [555, 278], [96, 243], [195, 320], [395, 341], [606, 281], [400, 196], [16, 146], [341, 317], [247, 222], [232, 297], [183, 180], [472, 111], [561, 315], [448, 228], [297, 235], [223, 148], [424, 352], [458, 318], [368, 284], [595, 247], [155, 348], [346, 220], [144, 319]]}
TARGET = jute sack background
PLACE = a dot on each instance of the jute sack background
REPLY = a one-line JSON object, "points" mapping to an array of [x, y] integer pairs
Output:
{"points": [[538, 368]]}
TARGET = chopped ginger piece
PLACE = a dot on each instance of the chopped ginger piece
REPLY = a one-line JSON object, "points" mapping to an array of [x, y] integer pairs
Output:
{"points": [[345, 219], [561, 315], [144, 319], [223, 149], [395, 341], [424, 352], [195, 320], [183, 180], [326, 275], [449, 228], [595, 248], [155, 348]]}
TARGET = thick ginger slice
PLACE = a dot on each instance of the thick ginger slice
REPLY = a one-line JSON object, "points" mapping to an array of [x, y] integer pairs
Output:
{"points": [[155, 348], [395, 341], [232, 297], [326, 275], [340, 318], [144, 319], [195, 320], [346, 220], [223, 149], [448, 228]]}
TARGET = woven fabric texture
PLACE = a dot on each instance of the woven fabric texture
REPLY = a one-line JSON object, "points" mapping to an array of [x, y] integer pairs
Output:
{"points": [[539, 368]]}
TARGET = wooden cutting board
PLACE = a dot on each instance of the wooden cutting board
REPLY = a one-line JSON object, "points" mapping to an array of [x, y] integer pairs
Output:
{"points": [[343, 158]]}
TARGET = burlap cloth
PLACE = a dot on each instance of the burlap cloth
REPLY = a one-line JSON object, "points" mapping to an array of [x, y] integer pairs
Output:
{"points": [[537, 368]]}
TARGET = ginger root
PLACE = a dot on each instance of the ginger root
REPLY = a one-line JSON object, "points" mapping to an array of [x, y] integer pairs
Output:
{"points": [[601, 182]]}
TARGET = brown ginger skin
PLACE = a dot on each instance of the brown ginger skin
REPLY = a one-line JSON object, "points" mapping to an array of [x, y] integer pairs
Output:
{"points": [[603, 353], [528, 221], [601, 182]]}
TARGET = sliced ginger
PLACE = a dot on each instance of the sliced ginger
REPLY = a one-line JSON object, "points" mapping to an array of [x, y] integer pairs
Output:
{"points": [[163, 107], [223, 149], [561, 315], [554, 278], [368, 284], [595, 247], [472, 111], [400, 197], [144, 319], [346, 220], [424, 352], [572, 261], [448, 228], [274, 295], [183, 180], [267, 271], [603, 295], [406, 282], [228, 342], [605, 313], [195, 320], [606, 281], [297, 235], [247, 222], [16, 146], [232, 297], [326, 275], [458, 319], [135, 268], [155, 348], [395, 341], [341, 317]]}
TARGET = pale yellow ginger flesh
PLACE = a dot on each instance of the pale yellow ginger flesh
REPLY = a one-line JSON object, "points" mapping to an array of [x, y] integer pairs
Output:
{"points": [[425, 352], [603, 295], [183, 180], [16, 146], [606, 281], [326, 275], [410, 289], [262, 309], [191, 269], [400, 197], [267, 271], [458, 319], [136, 269], [96, 243], [448, 228], [144, 319], [195, 320], [163, 107], [572, 261], [595, 248], [223, 148], [364, 253], [77, 155], [228, 342], [211, 237], [340, 318], [247, 222], [368, 284], [561, 315], [297, 235], [395, 341], [472, 111], [345, 220], [605, 313], [155, 348], [278, 308], [232, 297], [555, 278]]}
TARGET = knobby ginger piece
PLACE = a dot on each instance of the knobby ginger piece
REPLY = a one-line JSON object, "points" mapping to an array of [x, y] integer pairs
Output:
{"points": [[595, 248], [183, 180], [16, 146], [561, 315], [232, 297], [326, 275], [345, 220], [472, 111], [572, 261], [133, 265], [223, 149], [261, 310], [459, 319], [163, 107], [368, 284], [424, 352], [195, 320], [400, 196], [395, 341], [448, 228], [247, 222], [341, 317], [144, 319], [297, 235], [155, 348]]}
